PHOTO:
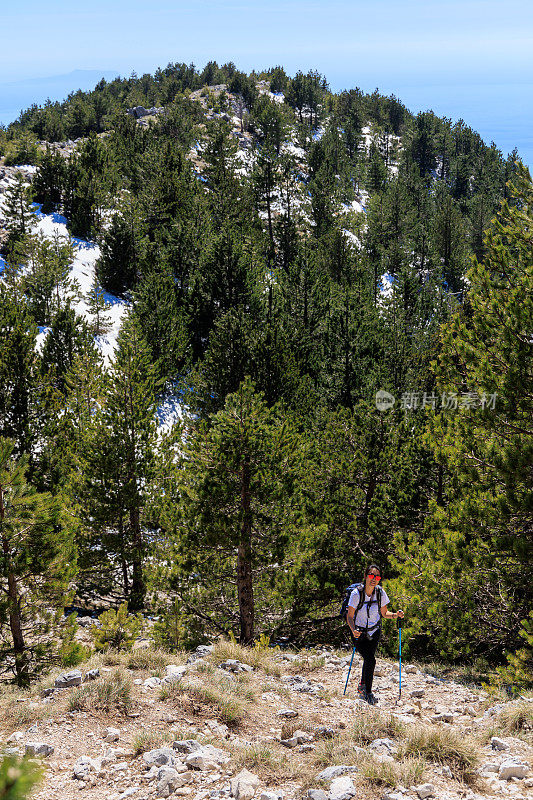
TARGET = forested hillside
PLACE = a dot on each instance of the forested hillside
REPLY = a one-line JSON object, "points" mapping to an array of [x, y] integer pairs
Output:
{"points": [[274, 255]]}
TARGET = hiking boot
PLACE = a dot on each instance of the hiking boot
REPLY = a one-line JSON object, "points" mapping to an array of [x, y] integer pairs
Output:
{"points": [[361, 691], [371, 699]]}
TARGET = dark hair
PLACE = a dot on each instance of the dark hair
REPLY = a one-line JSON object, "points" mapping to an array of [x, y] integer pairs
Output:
{"points": [[373, 566]]}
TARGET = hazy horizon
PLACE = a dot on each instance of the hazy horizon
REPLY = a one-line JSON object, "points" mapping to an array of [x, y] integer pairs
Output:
{"points": [[468, 59]]}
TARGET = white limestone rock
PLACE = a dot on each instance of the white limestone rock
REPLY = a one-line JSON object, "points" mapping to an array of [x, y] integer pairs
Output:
{"points": [[425, 790], [243, 785], [341, 788]]}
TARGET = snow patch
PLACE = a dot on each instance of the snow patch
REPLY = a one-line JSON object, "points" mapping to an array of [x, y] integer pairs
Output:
{"points": [[41, 338], [169, 411], [385, 285], [83, 270]]}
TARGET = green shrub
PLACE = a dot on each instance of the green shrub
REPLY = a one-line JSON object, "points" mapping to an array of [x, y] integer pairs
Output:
{"points": [[118, 630], [22, 150], [74, 653], [176, 629], [518, 672], [17, 778]]}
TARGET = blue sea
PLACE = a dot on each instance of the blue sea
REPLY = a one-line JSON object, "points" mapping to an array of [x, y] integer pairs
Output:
{"points": [[500, 113], [17, 96]]}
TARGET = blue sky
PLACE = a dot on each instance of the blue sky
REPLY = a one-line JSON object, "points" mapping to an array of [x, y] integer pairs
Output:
{"points": [[469, 59]]}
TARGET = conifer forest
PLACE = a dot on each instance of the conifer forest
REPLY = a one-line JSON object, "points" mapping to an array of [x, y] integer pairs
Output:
{"points": [[288, 333]]}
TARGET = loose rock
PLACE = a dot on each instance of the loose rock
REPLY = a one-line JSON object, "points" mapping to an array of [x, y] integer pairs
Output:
{"points": [[333, 772], [512, 769], [425, 790], [67, 679], [243, 785], [498, 744], [111, 735], [38, 749], [341, 788]]}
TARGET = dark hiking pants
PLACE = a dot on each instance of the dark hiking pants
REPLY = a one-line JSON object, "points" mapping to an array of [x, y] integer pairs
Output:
{"points": [[367, 649]]}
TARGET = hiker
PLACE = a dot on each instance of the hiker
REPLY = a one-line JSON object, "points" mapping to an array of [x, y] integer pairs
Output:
{"points": [[366, 607]]}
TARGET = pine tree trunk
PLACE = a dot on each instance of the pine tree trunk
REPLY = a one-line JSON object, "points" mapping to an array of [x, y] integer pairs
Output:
{"points": [[15, 621], [269, 211], [137, 583], [245, 589], [124, 565]]}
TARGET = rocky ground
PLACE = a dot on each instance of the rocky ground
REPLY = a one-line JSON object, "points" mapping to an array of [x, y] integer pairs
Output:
{"points": [[229, 722]]}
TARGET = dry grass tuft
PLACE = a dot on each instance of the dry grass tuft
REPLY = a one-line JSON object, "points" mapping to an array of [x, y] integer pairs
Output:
{"points": [[258, 657], [289, 727], [443, 746], [225, 708], [112, 658], [17, 715], [307, 663], [407, 772], [265, 762], [111, 692], [368, 726], [147, 740], [517, 718], [274, 764], [151, 660]]}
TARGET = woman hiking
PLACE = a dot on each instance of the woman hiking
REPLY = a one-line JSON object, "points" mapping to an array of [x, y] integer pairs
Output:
{"points": [[366, 607]]}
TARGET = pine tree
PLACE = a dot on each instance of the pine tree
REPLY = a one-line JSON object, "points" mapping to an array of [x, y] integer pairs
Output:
{"points": [[477, 538], [97, 306], [361, 483], [163, 321], [38, 564], [46, 279], [48, 183], [449, 236], [63, 341], [18, 368], [232, 522], [423, 144], [118, 457], [117, 268], [376, 171], [19, 215]]}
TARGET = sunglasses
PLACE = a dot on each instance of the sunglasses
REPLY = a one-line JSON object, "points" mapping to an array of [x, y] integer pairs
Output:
{"points": [[374, 576]]}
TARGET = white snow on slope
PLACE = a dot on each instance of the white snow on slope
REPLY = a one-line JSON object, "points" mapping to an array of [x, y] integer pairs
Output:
{"points": [[355, 205], [385, 285], [169, 412], [352, 238], [83, 270]]}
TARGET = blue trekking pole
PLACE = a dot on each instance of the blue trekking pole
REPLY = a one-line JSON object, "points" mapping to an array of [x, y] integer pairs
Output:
{"points": [[348, 678], [399, 623]]}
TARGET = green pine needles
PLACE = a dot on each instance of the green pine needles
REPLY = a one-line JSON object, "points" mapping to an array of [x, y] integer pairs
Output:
{"points": [[37, 566]]}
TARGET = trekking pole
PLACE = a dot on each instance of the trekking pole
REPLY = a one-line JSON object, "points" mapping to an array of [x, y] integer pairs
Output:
{"points": [[399, 623], [348, 678]]}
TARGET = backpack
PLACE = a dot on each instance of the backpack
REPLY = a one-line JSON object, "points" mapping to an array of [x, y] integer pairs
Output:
{"points": [[346, 599]]}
